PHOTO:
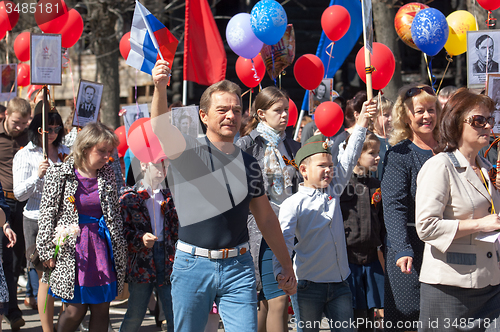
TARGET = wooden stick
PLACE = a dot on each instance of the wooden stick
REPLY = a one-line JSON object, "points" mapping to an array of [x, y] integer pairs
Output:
{"points": [[45, 118], [368, 64]]}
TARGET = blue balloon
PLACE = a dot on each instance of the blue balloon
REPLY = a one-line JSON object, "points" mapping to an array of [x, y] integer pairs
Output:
{"points": [[268, 20], [429, 31]]}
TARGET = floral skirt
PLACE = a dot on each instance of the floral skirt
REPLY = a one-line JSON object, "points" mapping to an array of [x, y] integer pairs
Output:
{"points": [[95, 280]]}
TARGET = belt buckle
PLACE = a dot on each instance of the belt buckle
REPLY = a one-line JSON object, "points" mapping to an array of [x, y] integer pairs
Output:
{"points": [[209, 255]]}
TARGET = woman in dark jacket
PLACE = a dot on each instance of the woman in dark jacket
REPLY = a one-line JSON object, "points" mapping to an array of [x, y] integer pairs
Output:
{"points": [[266, 140]]}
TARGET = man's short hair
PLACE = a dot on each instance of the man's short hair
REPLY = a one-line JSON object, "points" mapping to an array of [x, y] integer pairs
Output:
{"points": [[447, 91], [222, 86], [89, 87], [483, 38], [19, 105]]}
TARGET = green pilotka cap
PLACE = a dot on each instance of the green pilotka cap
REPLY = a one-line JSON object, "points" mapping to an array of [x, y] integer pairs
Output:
{"points": [[315, 144]]}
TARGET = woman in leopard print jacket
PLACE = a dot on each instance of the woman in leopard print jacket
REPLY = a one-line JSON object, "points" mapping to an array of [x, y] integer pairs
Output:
{"points": [[88, 271]]}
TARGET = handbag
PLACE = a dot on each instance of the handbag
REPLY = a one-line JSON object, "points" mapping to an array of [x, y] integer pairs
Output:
{"points": [[33, 256]]}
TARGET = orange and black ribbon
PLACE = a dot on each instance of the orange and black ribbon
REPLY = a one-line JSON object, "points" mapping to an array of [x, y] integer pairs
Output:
{"points": [[290, 162], [377, 197], [71, 199]]}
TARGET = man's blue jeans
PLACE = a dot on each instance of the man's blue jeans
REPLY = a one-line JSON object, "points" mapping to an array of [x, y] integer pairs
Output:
{"points": [[198, 281], [312, 299], [141, 293]]}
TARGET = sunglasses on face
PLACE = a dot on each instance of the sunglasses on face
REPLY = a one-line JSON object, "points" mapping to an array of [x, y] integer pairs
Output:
{"points": [[51, 130], [416, 91], [479, 121]]}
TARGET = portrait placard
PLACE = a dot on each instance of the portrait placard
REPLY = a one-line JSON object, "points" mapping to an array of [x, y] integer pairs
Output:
{"points": [[482, 56], [493, 91], [8, 83], [322, 93], [132, 113], [45, 59], [88, 103], [186, 120]]}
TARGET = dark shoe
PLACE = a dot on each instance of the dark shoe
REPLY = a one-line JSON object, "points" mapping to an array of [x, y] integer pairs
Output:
{"points": [[16, 323], [30, 303]]}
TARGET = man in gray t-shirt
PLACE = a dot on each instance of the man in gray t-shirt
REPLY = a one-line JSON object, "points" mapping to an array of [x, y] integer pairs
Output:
{"points": [[214, 185]]}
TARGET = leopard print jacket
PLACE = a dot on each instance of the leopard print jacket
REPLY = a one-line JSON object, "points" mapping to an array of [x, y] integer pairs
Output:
{"points": [[56, 209]]}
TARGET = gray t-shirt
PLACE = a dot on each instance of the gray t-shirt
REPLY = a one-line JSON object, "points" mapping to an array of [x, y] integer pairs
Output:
{"points": [[212, 192]]}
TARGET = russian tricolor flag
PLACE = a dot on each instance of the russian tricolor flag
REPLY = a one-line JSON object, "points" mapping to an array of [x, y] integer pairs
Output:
{"points": [[147, 36]]}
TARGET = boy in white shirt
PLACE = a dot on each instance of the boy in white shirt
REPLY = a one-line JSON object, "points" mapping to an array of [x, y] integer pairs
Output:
{"points": [[313, 216]]}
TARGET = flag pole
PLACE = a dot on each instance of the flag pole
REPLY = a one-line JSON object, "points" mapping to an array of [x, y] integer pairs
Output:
{"points": [[184, 92], [297, 125], [366, 10], [151, 34]]}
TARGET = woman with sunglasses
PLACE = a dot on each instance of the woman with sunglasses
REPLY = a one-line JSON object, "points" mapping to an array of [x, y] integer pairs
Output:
{"points": [[415, 131], [456, 203], [29, 167]]}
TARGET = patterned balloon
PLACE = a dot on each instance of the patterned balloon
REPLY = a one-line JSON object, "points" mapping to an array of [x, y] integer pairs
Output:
{"points": [[241, 38], [279, 56], [268, 21], [429, 31], [403, 19]]}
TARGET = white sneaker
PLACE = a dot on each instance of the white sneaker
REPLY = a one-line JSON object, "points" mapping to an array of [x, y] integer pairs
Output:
{"points": [[21, 281]]}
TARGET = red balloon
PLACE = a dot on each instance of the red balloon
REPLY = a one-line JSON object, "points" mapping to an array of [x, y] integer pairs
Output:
{"points": [[382, 60], [123, 146], [22, 46], [125, 45], [248, 73], [328, 118], [489, 4], [335, 22], [309, 71], [23, 74], [9, 14], [51, 15], [72, 30], [143, 142], [293, 113]]}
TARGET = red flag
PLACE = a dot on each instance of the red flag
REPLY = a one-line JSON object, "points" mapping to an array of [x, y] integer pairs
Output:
{"points": [[204, 55]]}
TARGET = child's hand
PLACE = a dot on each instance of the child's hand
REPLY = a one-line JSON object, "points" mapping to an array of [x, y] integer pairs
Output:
{"points": [[149, 240], [369, 111]]}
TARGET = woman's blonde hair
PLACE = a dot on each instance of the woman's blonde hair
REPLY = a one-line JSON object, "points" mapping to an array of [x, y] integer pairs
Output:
{"points": [[92, 134], [400, 127]]}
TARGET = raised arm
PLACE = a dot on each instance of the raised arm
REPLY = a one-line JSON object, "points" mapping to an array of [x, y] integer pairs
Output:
{"points": [[171, 139]]}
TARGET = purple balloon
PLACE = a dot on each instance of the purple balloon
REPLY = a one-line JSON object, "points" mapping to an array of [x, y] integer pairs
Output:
{"points": [[241, 38]]}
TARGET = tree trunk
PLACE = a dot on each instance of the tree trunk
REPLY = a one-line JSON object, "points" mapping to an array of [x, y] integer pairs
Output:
{"points": [[106, 51], [383, 21]]}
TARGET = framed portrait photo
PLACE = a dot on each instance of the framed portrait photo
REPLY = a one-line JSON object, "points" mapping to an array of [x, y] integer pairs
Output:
{"points": [[493, 91], [186, 120], [483, 56], [132, 113], [88, 103], [8, 83], [45, 59], [322, 93]]}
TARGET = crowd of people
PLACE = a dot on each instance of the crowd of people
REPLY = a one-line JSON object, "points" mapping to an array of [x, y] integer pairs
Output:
{"points": [[386, 225]]}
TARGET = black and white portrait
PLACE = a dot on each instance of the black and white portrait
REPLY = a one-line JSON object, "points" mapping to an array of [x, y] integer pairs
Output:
{"points": [[493, 91], [321, 94], [88, 103], [132, 113], [483, 55], [186, 120]]}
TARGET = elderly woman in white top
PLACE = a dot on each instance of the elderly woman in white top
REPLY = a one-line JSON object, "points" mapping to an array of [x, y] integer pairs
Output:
{"points": [[29, 167], [456, 202]]}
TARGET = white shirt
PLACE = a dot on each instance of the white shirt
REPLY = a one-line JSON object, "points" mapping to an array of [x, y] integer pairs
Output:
{"points": [[27, 184], [315, 218], [153, 203]]}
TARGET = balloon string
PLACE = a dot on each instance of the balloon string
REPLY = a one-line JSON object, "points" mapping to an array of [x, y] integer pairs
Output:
{"points": [[244, 93], [329, 57], [433, 78], [255, 75], [490, 21], [250, 101], [428, 69], [74, 94], [449, 58], [272, 57], [136, 100]]}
